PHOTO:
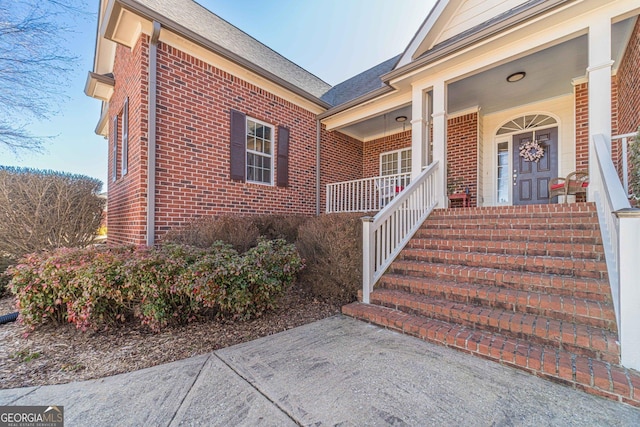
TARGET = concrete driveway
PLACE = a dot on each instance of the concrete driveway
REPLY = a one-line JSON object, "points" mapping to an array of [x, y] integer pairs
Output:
{"points": [[337, 371]]}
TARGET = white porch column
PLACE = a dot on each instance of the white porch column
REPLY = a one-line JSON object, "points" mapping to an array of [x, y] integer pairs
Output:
{"points": [[419, 132], [599, 75], [440, 140]]}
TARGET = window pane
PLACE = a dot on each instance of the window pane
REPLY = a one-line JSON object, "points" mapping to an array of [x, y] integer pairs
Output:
{"points": [[259, 145], [503, 173]]}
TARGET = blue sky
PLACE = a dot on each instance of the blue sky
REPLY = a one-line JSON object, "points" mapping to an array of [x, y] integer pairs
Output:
{"points": [[333, 39]]}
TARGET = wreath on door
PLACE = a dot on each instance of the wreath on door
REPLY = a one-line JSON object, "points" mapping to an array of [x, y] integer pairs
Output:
{"points": [[531, 151]]}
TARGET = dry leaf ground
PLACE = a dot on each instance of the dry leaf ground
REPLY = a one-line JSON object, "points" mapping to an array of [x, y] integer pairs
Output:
{"points": [[56, 354]]}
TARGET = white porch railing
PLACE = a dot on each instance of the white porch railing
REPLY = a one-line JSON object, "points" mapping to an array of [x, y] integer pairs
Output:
{"points": [[624, 141], [365, 195], [386, 234], [620, 228]]}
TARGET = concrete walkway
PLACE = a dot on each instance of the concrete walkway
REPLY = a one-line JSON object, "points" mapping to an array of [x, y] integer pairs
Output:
{"points": [[337, 371]]}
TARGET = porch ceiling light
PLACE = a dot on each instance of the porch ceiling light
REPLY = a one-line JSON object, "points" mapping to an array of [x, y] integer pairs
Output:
{"points": [[401, 119], [516, 77]]}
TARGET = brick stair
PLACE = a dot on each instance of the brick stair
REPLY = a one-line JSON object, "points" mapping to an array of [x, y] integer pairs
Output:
{"points": [[524, 286]]}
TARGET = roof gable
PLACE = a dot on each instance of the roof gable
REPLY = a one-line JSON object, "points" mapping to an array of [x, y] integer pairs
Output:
{"points": [[191, 19], [451, 19]]}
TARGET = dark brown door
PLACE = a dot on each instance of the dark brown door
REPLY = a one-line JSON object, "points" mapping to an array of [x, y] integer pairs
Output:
{"points": [[531, 178]]}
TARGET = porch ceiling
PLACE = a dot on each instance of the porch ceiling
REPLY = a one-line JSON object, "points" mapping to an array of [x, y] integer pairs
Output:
{"points": [[549, 73]]}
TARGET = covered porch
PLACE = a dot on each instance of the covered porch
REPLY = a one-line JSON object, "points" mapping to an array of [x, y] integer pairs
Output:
{"points": [[474, 117], [558, 82]]}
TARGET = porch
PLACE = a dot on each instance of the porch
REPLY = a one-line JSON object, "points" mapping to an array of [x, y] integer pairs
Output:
{"points": [[560, 83]]}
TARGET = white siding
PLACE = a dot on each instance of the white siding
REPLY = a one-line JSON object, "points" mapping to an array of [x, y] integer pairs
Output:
{"points": [[474, 12]]}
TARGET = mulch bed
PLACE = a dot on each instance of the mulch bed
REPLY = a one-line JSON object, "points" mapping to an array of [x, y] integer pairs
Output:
{"points": [[57, 354]]}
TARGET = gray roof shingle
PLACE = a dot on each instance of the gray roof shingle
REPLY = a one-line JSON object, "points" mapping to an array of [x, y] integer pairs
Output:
{"points": [[360, 84], [201, 21]]}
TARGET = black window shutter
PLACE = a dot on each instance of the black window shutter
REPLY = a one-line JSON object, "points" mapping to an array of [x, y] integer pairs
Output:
{"points": [[238, 145], [283, 157]]}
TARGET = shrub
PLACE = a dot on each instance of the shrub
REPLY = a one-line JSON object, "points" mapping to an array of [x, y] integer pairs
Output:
{"points": [[46, 210], [286, 227], [241, 232], [5, 262], [331, 246], [172, 284]]}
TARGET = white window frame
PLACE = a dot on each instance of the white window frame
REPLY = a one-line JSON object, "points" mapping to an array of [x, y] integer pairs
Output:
{"points": [[270, 156], [399, 169], [125, 137]]}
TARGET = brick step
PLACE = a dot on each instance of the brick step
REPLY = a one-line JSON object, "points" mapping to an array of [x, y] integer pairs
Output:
{"points": [[588, 341], [579, 287], [593, 376], [565, 308], [508, 212], [533, 264], [569, 250], [584, 237], [588, 222], [515, 224]]}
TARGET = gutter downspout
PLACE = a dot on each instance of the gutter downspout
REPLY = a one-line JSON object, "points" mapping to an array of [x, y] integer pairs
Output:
{"points": [[318, 182], [151, 143]]}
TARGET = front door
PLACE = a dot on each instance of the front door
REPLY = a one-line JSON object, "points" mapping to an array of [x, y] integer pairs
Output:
{"points": [[534, 168]]}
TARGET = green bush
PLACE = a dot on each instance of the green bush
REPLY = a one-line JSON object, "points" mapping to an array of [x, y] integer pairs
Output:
{"points": [[171, 284], [331, 246]]}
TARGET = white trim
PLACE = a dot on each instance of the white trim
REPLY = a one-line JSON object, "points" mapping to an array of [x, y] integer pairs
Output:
{"points": [[464, 112], [499, 139], [259, 153], [399, 151], [597, 67]]}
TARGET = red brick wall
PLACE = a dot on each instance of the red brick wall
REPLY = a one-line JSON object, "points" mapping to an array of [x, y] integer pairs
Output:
{"points": [[372, 149], [628, 100], [462, 152], [126, 213], [581, 96], [193, 133], [629, 85], [341, 160]]}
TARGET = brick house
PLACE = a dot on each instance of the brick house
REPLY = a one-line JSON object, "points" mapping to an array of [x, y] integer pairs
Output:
{"points": [[202, 119]]}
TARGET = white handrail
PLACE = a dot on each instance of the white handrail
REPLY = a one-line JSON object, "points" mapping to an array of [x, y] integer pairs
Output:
{"points": [[365, 195], [620, 228], [386, 234]]}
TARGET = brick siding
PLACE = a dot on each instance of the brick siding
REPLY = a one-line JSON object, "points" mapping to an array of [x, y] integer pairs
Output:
{"points": [[194, 100], [126, 213], [462, 152], [581, 96], [373, 149]]}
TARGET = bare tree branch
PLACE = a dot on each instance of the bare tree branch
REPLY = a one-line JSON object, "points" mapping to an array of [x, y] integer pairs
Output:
{"points": [[46, 210], [34, 65]]}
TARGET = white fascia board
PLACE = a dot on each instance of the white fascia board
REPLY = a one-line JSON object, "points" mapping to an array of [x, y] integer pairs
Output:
{"points": [[521, 40], [422, 32]]}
